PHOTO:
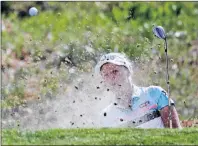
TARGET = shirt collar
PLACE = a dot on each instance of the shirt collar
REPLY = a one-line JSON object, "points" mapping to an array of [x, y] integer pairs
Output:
{"points": [[136, 91]]}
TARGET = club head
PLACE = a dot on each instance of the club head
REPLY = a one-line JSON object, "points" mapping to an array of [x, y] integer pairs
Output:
{"points": [[159, 32]]}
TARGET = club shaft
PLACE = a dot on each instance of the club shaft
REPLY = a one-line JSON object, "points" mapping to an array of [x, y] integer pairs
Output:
{"points": [[168, 86]]}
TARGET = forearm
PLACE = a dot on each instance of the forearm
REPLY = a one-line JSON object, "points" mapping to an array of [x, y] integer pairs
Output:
{"points": [[174, 116]]}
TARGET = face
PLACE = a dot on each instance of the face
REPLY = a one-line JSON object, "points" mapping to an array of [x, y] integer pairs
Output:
{"points": [[114, 75]]}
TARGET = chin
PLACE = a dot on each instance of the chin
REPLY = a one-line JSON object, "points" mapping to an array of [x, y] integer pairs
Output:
{"points": [[116, 86]]}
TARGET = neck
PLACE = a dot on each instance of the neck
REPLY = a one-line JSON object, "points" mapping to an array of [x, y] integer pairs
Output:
{"points": [[123, 98]]}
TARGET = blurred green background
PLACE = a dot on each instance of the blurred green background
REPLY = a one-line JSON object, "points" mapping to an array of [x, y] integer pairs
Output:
{"points": [[40, 53]]}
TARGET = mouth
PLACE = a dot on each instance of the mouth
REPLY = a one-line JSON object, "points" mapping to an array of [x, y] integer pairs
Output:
{"points": [[115, 84]]}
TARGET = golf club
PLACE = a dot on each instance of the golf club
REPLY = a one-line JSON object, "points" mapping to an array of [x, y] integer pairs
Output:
{"points": [[160, 33]]}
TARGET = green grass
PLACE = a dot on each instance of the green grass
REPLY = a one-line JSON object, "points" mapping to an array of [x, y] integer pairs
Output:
{"points": [[102, 136]]}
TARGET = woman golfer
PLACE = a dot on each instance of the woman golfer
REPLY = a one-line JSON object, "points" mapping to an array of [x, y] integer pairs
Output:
{"points": [[142, 107]]}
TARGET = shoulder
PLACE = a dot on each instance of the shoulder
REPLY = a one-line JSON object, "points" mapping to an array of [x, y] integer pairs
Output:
{"points": [[157, 93], [155, 90], [151, 90]]}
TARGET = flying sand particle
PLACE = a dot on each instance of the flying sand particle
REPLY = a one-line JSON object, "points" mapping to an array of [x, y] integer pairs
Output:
{"points": [[72, 123]]}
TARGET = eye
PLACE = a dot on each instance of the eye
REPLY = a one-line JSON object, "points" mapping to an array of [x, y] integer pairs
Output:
{"points": [[115, 71], [105, 74]]}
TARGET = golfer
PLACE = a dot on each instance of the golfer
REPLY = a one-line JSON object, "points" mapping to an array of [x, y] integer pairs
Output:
{"points": [[141, 107]]}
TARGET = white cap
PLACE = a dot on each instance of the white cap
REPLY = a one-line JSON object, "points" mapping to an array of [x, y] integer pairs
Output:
{"points": [[115, 58]]}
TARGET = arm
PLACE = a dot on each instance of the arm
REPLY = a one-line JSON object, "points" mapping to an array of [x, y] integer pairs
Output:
{"points": [[163, 107], [175, 119]]}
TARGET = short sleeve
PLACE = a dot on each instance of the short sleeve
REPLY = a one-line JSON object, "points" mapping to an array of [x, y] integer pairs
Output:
{"points": [[160, 96], [163, 100]]}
